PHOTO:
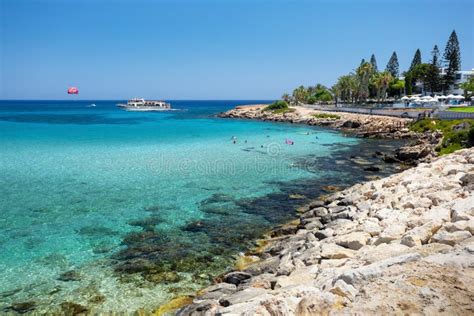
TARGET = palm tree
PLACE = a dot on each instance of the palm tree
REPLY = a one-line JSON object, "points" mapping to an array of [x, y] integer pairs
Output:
{"points": [[300, 95], [347, 86], [382, 81], [336, 91], [286, 97], [363, 73]]}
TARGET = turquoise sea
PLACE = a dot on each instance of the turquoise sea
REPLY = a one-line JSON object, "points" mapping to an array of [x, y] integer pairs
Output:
{"points": [[121, 211]]}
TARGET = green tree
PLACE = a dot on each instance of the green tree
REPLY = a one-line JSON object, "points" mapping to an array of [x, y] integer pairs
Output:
{"points": [[408, 83], [382, 81], [347, 87], [452, 59], [436, 82], [396, 87], [416, 60], [392, 65], [373, 62], [468, 86], [322, 93], [300, 95], [286, 97], [428, 74], [435, 60], [364, 73]]}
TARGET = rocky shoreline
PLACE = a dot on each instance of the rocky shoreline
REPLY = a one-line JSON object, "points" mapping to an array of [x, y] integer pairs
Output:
{"points": [[421, 147], [402, 244]]}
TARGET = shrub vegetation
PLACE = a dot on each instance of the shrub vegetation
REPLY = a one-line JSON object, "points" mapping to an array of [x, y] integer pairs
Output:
{"points": [[279, 107], [327, 116], [457, 134]]}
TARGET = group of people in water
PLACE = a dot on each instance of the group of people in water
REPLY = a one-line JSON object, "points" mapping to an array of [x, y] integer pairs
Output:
{"points": [[287, 141]]}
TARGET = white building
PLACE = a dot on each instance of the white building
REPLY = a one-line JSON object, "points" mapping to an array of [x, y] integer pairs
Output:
{"points": [[460, 77]]}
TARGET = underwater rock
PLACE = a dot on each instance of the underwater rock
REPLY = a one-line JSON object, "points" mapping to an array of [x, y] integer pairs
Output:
{"points": [[23, 307], [163, 277], [134, 266], [372, 168], [330, 188], [217, 198], [214, 209], [152, 208], [70, 276], [9, 293], [148, 223], [96, 231], [195, 227], [137, 237], [98, 299], [70, 308]]}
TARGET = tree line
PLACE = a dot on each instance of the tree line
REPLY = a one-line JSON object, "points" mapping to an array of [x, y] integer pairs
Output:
{"points": [[367, 82]]}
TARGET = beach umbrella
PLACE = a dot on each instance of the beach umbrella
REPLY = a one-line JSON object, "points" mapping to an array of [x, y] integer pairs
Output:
{"points": [[405, 98], [459, 97], [451, 96], [441, 97], [428, 99]]}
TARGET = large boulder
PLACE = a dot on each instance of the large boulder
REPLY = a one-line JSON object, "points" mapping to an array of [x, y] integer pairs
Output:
{"points": [[333, 251], [412, 153], [354, 240], [445, 237], [351, 124], [236, 277]]}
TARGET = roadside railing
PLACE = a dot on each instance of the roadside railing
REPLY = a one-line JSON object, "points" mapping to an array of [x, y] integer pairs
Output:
{"points": [[409, 113], [450, 115]]}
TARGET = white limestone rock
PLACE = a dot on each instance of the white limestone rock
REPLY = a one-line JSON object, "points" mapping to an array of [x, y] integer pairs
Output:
{"points": [[390, 233], [421, 234], [333, 251], [375, 269], [343, 289], [354, 240], [463, 209], [445, 237]]}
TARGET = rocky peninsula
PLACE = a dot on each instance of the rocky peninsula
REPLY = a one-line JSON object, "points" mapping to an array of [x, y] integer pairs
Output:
{"points": [[401, 244], [420, 147]]}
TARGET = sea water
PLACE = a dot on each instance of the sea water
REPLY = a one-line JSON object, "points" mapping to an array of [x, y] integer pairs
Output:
{"points": [[121, 211]]}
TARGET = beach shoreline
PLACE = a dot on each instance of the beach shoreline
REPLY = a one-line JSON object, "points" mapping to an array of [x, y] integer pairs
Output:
{"points": [[381, 246], [308, 260]]}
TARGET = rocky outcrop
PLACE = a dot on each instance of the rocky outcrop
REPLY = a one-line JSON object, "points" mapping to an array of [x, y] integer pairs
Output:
{"points": [[404, 246], [359, 124]]}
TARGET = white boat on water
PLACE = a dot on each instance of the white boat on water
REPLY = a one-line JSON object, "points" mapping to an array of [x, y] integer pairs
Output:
{"points": [[138, 104]]}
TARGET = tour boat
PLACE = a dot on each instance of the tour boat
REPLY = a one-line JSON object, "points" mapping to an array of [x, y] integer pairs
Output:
{"points": [[138, 104]]}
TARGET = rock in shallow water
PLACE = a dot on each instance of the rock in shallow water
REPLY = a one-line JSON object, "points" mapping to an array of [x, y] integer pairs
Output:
{"points": [[70, 276], [23, 307]]}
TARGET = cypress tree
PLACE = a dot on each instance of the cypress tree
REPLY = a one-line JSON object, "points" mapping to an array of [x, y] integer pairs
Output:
{"points": [[452, 57], [434, 73], [373, 62], [416, 60], [435, 61], [392, 65]]}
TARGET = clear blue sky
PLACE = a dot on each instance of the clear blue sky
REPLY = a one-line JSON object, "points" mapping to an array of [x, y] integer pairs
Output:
{"points": [[224, 49]]}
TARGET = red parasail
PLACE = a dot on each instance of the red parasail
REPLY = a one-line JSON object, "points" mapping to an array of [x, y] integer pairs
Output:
{"points": [[72, 90]]}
